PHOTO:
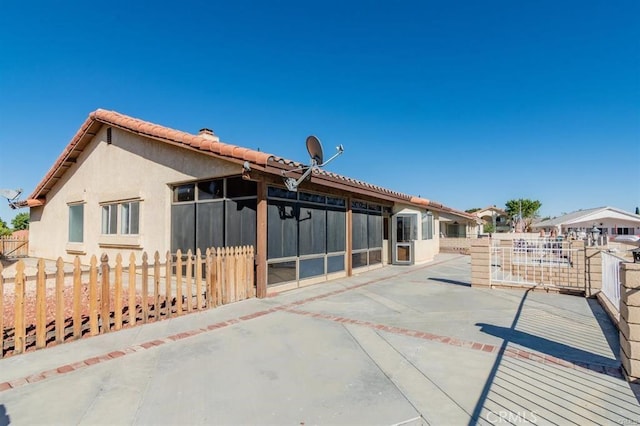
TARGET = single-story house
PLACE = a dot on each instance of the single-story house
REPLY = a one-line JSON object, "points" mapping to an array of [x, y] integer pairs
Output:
{"points": [[123, 184], [609, 221], [495, 216]]}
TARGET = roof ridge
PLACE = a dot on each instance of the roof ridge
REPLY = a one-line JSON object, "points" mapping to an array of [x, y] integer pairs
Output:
{"points": [[164, 133]]}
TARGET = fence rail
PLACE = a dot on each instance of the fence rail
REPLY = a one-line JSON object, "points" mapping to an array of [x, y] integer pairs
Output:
{"points": [[11, 246], [101, 298], [611, 278]]}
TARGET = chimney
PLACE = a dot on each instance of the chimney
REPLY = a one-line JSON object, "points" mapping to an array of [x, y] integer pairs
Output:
{"points": [[208, 134]]}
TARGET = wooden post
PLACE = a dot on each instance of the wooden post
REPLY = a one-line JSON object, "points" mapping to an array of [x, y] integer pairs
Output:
{"points": [[220, 275], [118, 293], [207, 273], [237, 265], [228, 276], [189, 281], [133, 309], [104, 302], [198, 279], [179, 283], [77, 298], [261, 241], [167, 277], [19, 332], [60, 301], [250, 274], [156, 286], [41, 306], [145, 288], [93, 296], [241, 285]]}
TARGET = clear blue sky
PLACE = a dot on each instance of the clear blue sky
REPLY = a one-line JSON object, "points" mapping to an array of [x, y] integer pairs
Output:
{"points": [[469, 103]]}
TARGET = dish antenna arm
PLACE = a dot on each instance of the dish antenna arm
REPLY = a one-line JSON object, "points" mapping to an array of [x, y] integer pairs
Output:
{"points": [[12, 196], [315, 152]]}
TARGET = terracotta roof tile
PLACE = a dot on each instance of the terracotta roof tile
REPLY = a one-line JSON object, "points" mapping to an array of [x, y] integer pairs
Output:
{"points": [[144, 128]]}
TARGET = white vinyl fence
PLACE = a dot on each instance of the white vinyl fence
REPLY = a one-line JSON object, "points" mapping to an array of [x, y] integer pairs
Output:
{"points": [[611, 278]]}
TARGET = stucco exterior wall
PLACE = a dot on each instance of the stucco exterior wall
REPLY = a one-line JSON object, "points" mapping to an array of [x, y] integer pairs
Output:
{"points": [[424, 250], [130, 168]]}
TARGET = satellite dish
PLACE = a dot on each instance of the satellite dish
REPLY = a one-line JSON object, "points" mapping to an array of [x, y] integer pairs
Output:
{"points": [[11, 195], [314, 147]]}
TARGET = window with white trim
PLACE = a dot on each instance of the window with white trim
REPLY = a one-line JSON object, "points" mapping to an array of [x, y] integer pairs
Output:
{"points": [[126, 213], [76, 223], [110, 219], [130, 214], [427, 226]]}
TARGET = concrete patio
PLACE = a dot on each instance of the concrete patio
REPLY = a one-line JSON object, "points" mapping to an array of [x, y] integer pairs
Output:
{"points": [[399, 345]]}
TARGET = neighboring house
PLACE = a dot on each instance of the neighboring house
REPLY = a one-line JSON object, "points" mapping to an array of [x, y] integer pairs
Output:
{"points": [[609, 221], [454, 225], [493, 215], [123, 184]]}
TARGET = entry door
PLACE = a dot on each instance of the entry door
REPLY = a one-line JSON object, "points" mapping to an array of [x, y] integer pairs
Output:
{"points": [[403, 233]]}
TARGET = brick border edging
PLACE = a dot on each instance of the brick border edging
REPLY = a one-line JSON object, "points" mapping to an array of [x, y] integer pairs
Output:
{"points": [[509, 352], [290, 308]]}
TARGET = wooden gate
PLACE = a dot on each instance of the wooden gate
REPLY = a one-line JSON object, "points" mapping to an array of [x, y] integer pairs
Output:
{"points": [[11, 246]]}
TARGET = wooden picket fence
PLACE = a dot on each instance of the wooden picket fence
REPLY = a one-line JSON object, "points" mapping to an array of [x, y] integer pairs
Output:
{"points": [[12, 246], [102, 298]]}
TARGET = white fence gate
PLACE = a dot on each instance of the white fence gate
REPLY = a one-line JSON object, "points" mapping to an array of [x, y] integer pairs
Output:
{"points": [[535, 262], [611, 278]]}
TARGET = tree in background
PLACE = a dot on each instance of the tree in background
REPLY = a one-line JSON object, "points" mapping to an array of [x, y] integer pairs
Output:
{"points": [[523, 209], [4, 229], [21, 221], [637, 210], [473, 210], [489, 228]]}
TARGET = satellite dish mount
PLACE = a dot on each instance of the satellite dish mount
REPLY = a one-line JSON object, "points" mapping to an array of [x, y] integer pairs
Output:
{"points": [[12, 196], [314, 147]]}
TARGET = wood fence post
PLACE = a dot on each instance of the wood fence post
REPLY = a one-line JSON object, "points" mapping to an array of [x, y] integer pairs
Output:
{"points": [[106, 293], [168, 274], [145, 288], [60, 320], [179, 283], [93, 296], [198, 279], [218, 277], [133, 309], [156, 286], [250, 273], [41, 306], [77, 298], [118, 293], [261, 240], [19, 342], [207, 274], [189, 281]]}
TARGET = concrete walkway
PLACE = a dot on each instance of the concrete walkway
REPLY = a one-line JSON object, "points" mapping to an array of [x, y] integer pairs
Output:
{"points": [[399, 345]]}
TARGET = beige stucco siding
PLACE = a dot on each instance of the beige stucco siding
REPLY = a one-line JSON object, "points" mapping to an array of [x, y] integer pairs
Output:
{"points": [[425, 250], [131, 167]]}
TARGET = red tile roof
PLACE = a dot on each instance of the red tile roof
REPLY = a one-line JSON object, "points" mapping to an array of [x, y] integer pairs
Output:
{"points": [[265, 161]]}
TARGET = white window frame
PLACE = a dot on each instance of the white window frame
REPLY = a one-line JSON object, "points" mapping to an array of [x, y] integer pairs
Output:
{"points": [[127, 225], [109, 219], [73, 226]]}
